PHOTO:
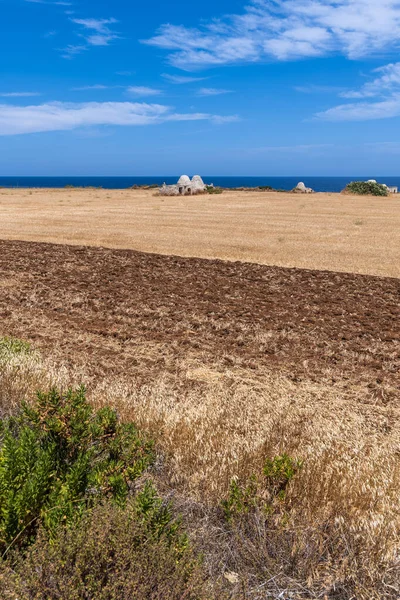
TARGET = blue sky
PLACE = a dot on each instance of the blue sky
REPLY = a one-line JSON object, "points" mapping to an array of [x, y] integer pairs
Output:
{"points": [[264, 87]]}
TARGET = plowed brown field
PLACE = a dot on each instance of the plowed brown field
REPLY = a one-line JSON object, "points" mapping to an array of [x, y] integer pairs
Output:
{"points": [[123, 311]]}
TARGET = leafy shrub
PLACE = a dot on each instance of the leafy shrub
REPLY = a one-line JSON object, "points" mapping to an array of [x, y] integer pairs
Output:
{"points": [[279, 472], [265, 188], [363, 188], [214, 190], [109, 555], [261, 494], [57, 458]]}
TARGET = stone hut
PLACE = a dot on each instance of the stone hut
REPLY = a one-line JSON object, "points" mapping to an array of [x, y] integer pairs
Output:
{"points": [[184, 187]]}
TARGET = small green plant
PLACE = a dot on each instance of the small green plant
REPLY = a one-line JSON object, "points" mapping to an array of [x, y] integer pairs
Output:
{"points": [[364, 188], [278, 473], [265, 188], [58, 458], [262, 493], [69, 186], [241, 498], [10, 346], [210, 189]]}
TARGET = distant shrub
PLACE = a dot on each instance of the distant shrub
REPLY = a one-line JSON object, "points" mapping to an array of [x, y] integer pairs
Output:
{"points": [[214, 190], [69, 186], [265, 188], [108, 555], [59, 457], [364, 188], [10, 346], [261, 494]]}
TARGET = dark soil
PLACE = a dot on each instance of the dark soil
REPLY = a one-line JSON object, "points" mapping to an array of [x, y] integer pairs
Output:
{"points": [[131, 313]]}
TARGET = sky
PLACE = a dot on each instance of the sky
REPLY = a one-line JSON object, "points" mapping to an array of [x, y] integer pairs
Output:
{"points": [[263, 87]]}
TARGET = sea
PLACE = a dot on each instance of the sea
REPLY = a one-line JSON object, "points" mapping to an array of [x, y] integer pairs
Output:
{"points": [[318, 184]]}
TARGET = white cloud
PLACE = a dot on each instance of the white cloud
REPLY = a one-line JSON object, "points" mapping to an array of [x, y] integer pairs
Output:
{"points": [[18, 94], [388, 80], [299, 149], [285, 30], [384, 88], [85, 88], [384, 147], [363, 111], [101, 34], [212, 92], [58, 3], [72, 50], [319, 89], [181, 79], [59, 116], [141, 90]]}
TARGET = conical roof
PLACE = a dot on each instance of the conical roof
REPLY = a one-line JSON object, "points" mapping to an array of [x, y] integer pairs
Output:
{"points": [[184, 180]]}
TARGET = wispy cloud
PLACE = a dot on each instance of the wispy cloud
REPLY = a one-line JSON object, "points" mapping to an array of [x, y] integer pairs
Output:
{"points": [[285, 30], [56, 3], [99, 32], [85, 88], [73, 50], [386, 81], [383, 88], [18, 94], [212, 92], [141, 90], [59, 116], [181, 79], [384, 147], [319, 89], [362, 111], [294, 149]]}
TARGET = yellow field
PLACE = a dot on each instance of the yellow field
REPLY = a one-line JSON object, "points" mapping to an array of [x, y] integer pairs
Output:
{"points": [[320, 231]]}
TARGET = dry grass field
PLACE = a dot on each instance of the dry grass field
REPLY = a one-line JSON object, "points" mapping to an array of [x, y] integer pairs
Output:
{"points": [[226, 365], [322, 231]]}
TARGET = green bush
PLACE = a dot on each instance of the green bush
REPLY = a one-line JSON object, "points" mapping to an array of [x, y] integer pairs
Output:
{"points": [[364, 188], [261, 493], [59, 457], [10, 346], [108, 555], [214, 190]]}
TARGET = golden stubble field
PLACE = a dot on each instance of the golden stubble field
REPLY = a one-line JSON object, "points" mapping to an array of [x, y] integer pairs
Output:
{"points": [[321, 231]]}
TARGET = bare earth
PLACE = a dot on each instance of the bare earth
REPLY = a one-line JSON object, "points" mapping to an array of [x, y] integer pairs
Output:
{"points": [[322, 231]]}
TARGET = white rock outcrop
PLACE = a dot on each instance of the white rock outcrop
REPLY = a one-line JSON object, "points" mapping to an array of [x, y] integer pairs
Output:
{"points": [[302, 189]]}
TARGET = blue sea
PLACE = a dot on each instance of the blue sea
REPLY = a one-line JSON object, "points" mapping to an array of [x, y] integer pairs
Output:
{"points": [[319, 184]]}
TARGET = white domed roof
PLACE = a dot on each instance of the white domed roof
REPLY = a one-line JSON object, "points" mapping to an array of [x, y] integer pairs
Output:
{"points": [[184, 180]]}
